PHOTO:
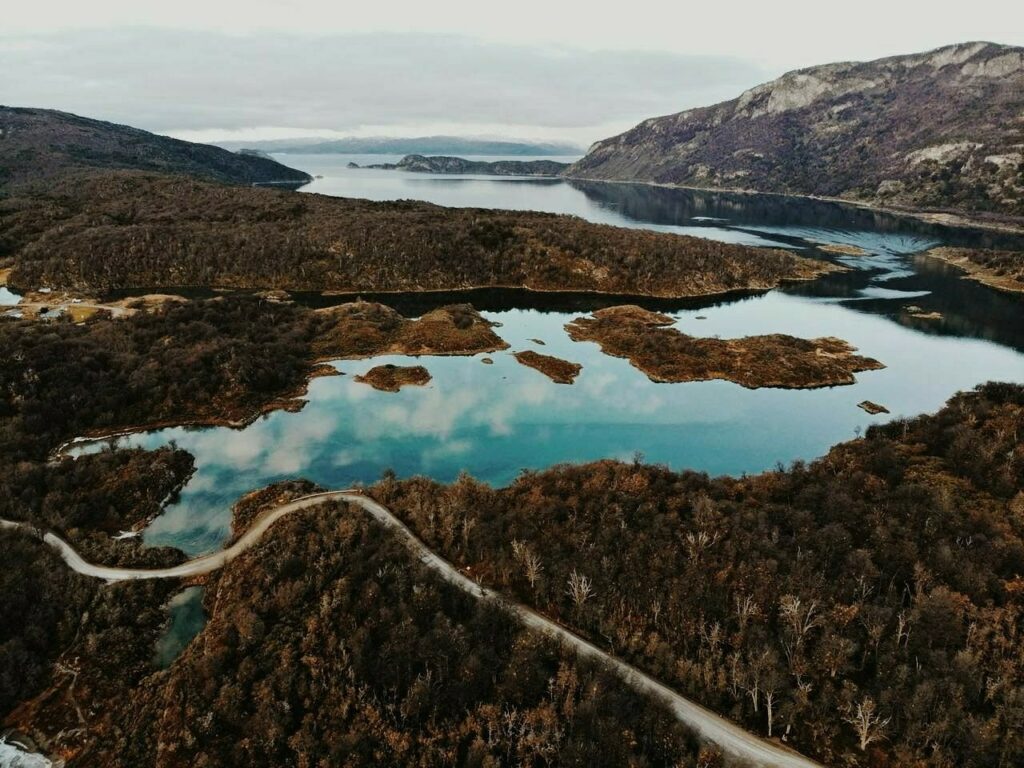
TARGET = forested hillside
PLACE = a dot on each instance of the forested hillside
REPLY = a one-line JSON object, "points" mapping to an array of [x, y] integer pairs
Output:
{"points": [[140, 230], [867, 607]]}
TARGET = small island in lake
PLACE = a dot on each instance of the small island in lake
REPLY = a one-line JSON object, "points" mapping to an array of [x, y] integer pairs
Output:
{"points": [[873, 408], [555, 368], [666, 355], [365, 329], [455, 165], [391, 378]]}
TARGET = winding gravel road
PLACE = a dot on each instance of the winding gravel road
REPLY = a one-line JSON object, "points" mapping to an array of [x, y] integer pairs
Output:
{"points": [[729, 737]]}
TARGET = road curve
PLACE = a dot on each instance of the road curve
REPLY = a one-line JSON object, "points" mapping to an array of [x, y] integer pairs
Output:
{"points": [[710, 727]]}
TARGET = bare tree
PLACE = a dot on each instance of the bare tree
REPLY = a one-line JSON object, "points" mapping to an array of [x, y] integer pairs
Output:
{"points": [[867, 722], [579, 588], [769, 704], [746, 609], [531, 564], [800, 619]]}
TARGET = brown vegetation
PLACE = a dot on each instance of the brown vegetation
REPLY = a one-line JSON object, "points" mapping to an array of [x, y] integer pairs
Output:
{"points": [[391, 378], [366, 329], [86, 500], [218, 361], [125, 230], [666, 355], [873, 408], [867, 606], [998, 269], [558, 370], [842, 249], [327, 644]]}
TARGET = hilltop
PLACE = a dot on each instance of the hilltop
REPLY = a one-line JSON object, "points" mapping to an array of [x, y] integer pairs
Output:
{"points": [[44, 144], [937, 130]]}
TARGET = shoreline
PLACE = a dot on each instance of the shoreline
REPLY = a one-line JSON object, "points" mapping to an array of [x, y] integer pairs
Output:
{"points": [[821, 266], [955, 219], [291, 403], [973, 271]]}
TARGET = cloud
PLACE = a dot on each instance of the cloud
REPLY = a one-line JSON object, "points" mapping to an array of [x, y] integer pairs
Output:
{"points": [[185, 80]]}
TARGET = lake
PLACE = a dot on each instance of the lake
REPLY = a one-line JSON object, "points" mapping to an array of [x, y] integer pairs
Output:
{"points": [[496, 420]]}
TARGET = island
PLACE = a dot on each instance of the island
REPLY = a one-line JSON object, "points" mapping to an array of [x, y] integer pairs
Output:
{"points": [[558, 370], [391, 378], [459, 165], [667, 355], [367, 329]]}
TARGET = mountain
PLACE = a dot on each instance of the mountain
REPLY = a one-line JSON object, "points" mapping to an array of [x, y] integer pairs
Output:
{"points": [[443, 164], [423, 145], [38, 144], [943, 129]]}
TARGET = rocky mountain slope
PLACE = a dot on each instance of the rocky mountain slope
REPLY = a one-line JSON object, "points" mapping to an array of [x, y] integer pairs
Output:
{"points": [[942, 130], [40, 144]]}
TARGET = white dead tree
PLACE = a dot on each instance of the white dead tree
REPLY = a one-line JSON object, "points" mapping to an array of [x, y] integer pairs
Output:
{"points": [[579, 588], [769, 704], [530, 563], [867, 722], [800, 618]]}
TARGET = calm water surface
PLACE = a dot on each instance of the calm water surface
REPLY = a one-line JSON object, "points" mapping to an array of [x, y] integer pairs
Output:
{"points": [[496, 420]]}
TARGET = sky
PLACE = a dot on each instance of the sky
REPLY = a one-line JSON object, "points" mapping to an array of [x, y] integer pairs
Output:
{"points": [[211, 70]]}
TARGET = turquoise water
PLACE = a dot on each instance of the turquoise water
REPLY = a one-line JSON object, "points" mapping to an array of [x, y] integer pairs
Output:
{"points": [[496, 420], [187, 619]]}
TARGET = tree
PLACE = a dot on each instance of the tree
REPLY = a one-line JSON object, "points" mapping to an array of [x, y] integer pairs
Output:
{"points": [[579, 588], [867, 722]]}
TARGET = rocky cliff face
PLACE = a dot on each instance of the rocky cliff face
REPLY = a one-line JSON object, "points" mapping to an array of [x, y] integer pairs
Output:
{"points": [[40, 144], [943, 129]]}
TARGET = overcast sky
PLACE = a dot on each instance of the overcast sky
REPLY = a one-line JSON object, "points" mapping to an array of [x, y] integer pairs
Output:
{"points": [[551, 69]]}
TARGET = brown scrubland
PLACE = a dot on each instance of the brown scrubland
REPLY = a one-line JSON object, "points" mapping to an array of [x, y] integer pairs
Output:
{"points": [[667, 355]]}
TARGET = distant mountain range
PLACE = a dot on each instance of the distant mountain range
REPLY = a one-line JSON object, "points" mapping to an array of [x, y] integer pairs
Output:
{"points": [[941, 130], [40, 144], [423, 145], [442, 164]]}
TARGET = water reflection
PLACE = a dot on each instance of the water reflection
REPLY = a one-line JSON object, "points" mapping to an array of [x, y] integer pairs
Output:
{"points": [[495, 420], [186, 621]]}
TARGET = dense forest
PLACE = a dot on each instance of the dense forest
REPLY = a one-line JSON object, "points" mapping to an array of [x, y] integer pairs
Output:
{"points": [[328, 644], [868, 607], [49, 606], [220, 360], [167, 231]]}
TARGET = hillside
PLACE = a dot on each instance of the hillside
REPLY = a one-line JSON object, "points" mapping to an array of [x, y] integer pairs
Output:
{"points": [[44, 144], [444, 164], [941, 130]]}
